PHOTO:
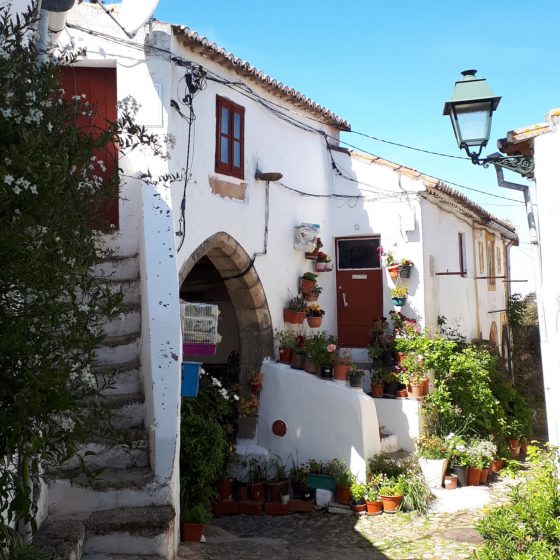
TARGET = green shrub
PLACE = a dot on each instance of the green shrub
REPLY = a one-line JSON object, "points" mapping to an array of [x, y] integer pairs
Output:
{"points": [[529, 527]]}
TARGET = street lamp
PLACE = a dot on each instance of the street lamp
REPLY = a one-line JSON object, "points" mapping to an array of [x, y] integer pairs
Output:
{"points": [[470, 108]]}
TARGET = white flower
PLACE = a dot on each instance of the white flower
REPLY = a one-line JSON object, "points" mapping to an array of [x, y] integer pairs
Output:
{"points": [[17, 190], [33, 189], [8, 179], [49, 127]]}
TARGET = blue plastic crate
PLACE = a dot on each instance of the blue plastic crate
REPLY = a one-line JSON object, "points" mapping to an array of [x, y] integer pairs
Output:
{"points": [[190, 372], [321, 482]]}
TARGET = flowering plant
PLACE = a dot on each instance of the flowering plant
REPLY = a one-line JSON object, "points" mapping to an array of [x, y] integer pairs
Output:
{"points": [[414, 366], [299, 347], [399, 292], [323, 257], [406, 262], [431, 447], [314, 310]]}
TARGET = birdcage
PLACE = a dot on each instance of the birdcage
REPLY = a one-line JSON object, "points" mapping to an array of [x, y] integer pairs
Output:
{"points": [[305, 236], [199, 322]]}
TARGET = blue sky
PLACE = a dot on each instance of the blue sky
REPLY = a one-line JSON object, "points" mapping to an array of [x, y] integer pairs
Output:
{"points": [[388, 66]]}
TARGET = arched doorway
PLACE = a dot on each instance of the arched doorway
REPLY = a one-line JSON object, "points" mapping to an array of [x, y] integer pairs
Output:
{"points": [[220, 271]]}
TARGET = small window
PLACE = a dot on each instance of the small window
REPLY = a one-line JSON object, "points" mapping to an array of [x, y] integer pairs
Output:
{"points": [[480, 256], [491, 263], [358, 253], [499, 260], [230, 137], [462, 255]]}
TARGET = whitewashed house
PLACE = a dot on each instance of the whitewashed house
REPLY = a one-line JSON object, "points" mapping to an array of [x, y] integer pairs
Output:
{"points": [[225, 235]]}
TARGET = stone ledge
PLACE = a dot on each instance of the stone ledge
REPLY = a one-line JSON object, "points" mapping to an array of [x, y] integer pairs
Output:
{"points": [[64, 537]]}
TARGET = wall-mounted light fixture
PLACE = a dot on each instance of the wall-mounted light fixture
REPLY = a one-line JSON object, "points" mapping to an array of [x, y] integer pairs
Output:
{"points": [[268, 176]]}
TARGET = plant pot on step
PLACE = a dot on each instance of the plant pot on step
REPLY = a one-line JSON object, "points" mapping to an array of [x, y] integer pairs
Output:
{"points": [[341, 372], [343, 495], [359, 507], [285, 355], [276, 490], [256, 492], [391, 503], [461, 472], [327, 372], [484, 475], [311, 367], [401, 393], [224, 488], [377, 390], [415, 390], [191, 532], [374, 508], [298, 360]]}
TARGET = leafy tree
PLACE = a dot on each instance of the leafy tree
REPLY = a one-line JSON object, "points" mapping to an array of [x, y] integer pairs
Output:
{"points": [[52, 305]]}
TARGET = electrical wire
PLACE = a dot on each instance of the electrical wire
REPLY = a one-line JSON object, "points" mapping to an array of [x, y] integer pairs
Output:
{"points": [[270, 105]]}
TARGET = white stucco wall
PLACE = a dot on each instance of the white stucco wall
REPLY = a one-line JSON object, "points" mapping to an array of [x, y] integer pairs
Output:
{"points": [[547, 175], [324, 419]]}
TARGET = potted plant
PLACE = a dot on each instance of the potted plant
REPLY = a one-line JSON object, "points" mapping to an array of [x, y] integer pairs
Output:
{"points": [[321, 262], [342, 367], [487, 451], [314, 351], [314, 315], [256, 474], [328, 358], [298, 480], [378, 383], [457, 447], [399, 295], [294, 313], [405, 265], [358, 491], [255, 381], [277, 481], [298, 353], [391, 492], [286, 342], [475, 463], [356, 377], [414, 371], [307, 283], [314, 295], [193, 521], [433, 458], [374, 503], [319, 475], [344, 480], [391, 264]]}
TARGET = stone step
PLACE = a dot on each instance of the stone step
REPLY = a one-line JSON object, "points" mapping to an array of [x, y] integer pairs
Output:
{"points": [[126, 409], [118, 268], [129, 288], [131, 531], [128, 322], [117, 349], [65, 537], [107, 454], [122, 557], [120, 379], [113, 488]]}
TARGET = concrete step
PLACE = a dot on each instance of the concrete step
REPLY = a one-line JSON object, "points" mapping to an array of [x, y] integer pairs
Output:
{"points": [[113, 488], [117, 349], [126, 410], [65, 537], [122, 557], [130, 531], [118, 268], [128, 322], [129, 288], [120, 379]]}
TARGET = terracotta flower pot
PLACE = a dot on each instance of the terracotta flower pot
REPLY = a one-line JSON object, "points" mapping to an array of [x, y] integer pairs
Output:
{"points": [[306, 287], [285, 355], [276, 490], [311, 367], [450, 482], [394, 271], [514, 447], [343, 495], [341, 372], [484, 475], [310, 297], [225, 489], [391, 503], [298, 360], [256, 491], [473, 476], [425, 387], [374, 508], [191, 532], [314, 322], [416, 390], [359, 508], [377, 390], [401, 393], [294, 317]]}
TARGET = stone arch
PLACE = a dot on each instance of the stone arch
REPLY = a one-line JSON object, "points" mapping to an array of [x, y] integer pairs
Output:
{"points": [[247, 297]]}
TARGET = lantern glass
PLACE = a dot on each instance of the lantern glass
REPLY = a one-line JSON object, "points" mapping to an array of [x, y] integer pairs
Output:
{"points": [[471, 123]]}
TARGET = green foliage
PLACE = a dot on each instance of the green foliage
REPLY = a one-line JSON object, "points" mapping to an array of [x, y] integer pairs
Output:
{"points": [[358, 490], [529, 527], [389, 467], [341, 472], [431, 446], [297, 304], [416, 493], [206, 441], [285, 339], [316, 348], [197, 514]]}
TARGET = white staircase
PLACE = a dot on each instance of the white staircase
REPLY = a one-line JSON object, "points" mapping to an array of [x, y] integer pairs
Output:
{"points": [[126, 512]]}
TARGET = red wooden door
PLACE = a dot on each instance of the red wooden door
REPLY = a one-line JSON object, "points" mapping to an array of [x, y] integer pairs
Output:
{"points": [[99, 85], [359, 289]]}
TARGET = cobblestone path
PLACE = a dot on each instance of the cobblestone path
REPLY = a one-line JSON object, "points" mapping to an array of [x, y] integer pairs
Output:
{"points": [[320, 535]]}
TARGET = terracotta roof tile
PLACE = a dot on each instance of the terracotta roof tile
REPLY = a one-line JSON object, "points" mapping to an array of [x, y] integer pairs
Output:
{"points": [[200, 44]]}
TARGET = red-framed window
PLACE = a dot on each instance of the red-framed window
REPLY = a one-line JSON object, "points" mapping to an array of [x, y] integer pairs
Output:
{"points": [[230, 137]]}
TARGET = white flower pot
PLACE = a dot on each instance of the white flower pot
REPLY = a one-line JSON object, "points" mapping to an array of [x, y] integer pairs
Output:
{"points": [[433, 471]]}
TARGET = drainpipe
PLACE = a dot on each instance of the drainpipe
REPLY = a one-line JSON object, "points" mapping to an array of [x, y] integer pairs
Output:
{"points": [[57, 11], [43, 36]]}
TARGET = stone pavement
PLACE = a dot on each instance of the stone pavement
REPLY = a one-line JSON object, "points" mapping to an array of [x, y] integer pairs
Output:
{"points": [[447, 532]]}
